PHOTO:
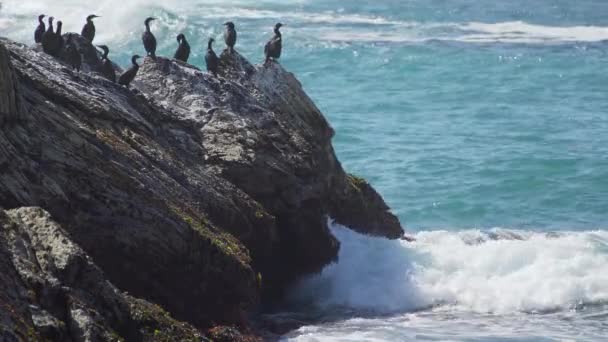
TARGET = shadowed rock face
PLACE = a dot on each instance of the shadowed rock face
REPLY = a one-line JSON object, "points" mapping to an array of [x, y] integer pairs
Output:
{"points": [[10, 108], [52, 290], [189, 191]]}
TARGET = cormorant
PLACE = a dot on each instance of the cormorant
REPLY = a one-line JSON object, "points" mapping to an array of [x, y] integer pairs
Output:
{"points": [[230, 36], [88, 30], [58, 38], [274, 46], [48, 38], [40, 29], [128, 76], [183, 50], [72, 54], [148, 39], [211, 58], [107, 68]]}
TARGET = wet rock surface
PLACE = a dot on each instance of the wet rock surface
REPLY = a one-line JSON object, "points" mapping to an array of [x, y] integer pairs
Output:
{"points": [[200, 194]]}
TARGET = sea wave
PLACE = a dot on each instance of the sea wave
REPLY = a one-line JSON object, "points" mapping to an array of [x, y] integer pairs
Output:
{"points": [[496, 271], [514, 32], [119, 24]]}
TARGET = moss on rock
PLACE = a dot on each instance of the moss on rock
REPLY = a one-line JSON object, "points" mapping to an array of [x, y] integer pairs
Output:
{"points": [[222, 240], [156, 324], [356, 182]]}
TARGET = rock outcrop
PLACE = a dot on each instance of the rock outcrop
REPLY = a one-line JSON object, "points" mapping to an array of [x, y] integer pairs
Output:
{"points": [[52, 290], [196, 193]]}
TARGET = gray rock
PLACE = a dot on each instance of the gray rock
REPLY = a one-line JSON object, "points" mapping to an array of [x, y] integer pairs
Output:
{"points": [[9, 106]]}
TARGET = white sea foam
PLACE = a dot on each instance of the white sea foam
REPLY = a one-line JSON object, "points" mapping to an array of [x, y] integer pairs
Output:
{"points": [[472, 32], [533, 272], [521, 32], [328, 17], [500, 271], [446, 325]]}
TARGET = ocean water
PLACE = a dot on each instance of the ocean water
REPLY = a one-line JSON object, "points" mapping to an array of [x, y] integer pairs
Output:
{"points": [[484, 124]]}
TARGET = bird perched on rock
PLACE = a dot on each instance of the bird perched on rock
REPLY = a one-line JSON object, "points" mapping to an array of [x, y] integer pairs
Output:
{"points": [[52, 42], [39, 29], [183, 49], [230, 36], [48, 37], [107, 67], [128, 76], [72, 54], [88, 30], [149, 39], [273, 48], [58, 38], [211, 58]]}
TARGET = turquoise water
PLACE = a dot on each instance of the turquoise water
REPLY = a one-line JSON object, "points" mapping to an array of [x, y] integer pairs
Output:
{"points": [[461, 135], [484, 124]]}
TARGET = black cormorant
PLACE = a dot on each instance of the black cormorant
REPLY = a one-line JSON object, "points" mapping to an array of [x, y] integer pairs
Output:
{"points": [[230, 36], [211, 58], [274, 46], [88, 30], [107, 68], [40, 29], [58, 38], [48, 38], [52, 42], [148, 39], [128, 76], [72, 54], [183, 50]]}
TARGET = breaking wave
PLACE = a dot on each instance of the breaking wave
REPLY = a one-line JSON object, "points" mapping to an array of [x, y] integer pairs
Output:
{"points": [[497, 271], [17, 19]]}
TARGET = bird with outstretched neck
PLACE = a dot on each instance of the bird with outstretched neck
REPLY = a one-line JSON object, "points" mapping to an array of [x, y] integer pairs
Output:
{"points": [[59, 36], [48, 38], [52, 42], [72, 54], [273, 48], [107, 67], [183, 49], [88, 30], [39, 29], [127, 77], [211, 58], [149, 39], [58, 39], [230, 36]]}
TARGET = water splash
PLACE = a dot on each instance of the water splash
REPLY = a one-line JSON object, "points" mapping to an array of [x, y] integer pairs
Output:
{"points": [[496, 271]]}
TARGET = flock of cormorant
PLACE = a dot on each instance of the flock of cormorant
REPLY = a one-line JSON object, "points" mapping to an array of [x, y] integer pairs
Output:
{"points": [[53, 44]]}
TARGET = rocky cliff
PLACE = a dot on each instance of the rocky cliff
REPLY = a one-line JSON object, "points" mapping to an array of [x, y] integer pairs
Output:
{"points": [[199, 195]]}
